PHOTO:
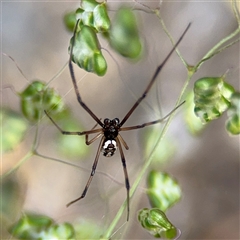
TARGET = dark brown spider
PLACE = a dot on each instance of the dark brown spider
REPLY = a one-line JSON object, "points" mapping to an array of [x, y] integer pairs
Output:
{"points": [[109, 131]]}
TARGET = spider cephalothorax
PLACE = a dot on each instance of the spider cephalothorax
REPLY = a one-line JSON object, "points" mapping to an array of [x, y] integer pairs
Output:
{"points": [[109, 131], [111, 128]]}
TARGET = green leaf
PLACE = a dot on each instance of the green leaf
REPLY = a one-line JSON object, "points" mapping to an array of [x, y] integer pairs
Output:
{"points": [[163, 191], [13, 127], [233, 122], [212, 97], [87, 51], [157, 224], [123, 34]]}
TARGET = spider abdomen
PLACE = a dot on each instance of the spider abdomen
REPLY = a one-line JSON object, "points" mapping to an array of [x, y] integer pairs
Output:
{"points": [[109, 147]]}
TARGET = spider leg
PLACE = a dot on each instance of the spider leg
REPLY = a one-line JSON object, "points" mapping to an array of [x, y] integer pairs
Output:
{"points": [[75, 82], [94, 166], [152, 122], [153, 78], [93, 139], [127, 184], [123, 142], [72, 133]]}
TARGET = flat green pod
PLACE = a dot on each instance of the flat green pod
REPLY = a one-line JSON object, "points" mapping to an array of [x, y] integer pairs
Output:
{"points": [[163, 191], [233, 122], [40, 227], [211, 97], [157, 224], [123, 34], [86, 52], [36, 98]]}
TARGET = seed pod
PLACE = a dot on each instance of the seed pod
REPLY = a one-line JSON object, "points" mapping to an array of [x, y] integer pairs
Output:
{"points": [[163, 191], [87, 51], [33, 226], [38, 97], [157, 224], [123, 34], [101, 19], [70, 20], [94, 15], [211, 97], [233, 122]]}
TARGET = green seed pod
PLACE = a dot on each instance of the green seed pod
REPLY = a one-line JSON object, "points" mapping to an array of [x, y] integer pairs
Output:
{"points": [[31, 101], [94, 15], [30, 226], [38, 97], [163, 191], [87, 52], [123, 34], [233, 122], [70, 21], [88, 5], [101, 18], [85, 16], [211, 97], [194, 123], [156, 223], [60, 231], [40, 227]]}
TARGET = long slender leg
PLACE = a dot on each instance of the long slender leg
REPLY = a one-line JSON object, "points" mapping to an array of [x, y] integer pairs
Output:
{"points": [[73, 133], [127, 184], [123, 141], [75, 82], [94, 166], [152, 122], [93, 139], [153, 78]]}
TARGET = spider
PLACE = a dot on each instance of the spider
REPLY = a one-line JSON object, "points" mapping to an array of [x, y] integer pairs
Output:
{"points": [[109, 129]]}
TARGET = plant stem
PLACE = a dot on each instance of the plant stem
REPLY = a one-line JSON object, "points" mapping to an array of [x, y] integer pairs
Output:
{"points": [[215, 50]]}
